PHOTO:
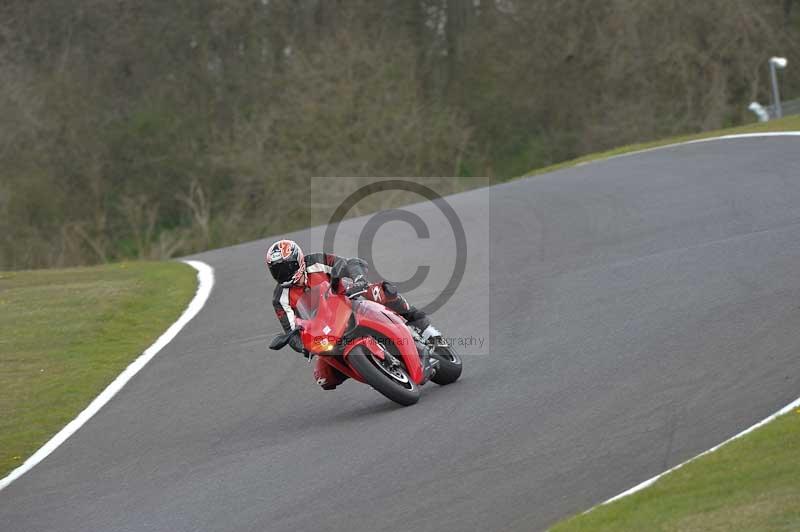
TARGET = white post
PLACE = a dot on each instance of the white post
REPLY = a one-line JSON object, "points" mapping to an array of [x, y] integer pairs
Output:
{"points": [[774, 64]]}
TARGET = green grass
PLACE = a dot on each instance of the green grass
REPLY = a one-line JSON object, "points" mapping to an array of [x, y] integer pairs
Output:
{"points": [[66, 334], [752, 483], [791, 123]]}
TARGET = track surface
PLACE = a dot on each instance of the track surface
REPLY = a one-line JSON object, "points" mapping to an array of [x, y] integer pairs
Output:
{"points": [[642, 310]]}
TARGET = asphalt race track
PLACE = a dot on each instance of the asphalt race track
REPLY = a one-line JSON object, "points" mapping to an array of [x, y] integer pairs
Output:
{"points": [[638, 311]]}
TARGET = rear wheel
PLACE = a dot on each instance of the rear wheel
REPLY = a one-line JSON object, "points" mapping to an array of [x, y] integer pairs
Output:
{"points": [[449, 365], [387, 376]]}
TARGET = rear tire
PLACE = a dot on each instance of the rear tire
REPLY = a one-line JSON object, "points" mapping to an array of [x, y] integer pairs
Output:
{"points": [[394, 388], [449, 365]]}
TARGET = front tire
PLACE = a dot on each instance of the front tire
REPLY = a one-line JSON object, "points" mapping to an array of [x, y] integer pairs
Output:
{"points": [[391, 381]]}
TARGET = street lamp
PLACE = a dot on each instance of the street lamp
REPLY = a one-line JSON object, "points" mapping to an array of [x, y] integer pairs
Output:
{"points": [[774, 64]]}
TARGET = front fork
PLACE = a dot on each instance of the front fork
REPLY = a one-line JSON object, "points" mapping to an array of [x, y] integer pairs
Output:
{"points": [[429, 364]]}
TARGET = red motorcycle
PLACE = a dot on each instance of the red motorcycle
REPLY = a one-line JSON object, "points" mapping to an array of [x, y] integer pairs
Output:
{"points": [[369, 343]]}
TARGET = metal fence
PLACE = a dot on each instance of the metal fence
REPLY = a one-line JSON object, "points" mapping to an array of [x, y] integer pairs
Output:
{"points": [[789, 107]]}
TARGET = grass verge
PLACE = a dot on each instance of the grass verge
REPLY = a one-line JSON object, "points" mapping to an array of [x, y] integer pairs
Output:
{"points": [[66, 334], [791, 123], [749, 484]]}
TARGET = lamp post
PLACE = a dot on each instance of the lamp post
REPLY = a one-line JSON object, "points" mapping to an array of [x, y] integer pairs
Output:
{"points": [[774, 64]]}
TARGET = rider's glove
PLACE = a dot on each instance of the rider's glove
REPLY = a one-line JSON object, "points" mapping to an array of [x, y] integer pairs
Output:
{"points": [[358, 287], [297, 344]]}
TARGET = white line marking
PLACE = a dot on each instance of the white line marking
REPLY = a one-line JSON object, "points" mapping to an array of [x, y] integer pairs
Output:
{"points": [[697, 141], [649, 482], [205, 277]]}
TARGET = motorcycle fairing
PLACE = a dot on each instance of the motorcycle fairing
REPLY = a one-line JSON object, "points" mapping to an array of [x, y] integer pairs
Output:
{"points": [[321, 314], [370, 343], [388, 324]]}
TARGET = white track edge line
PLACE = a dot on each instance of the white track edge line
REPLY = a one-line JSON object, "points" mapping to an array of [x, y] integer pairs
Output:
{"points": [[205, 277], [675, 144], [698, 141], [649, 482]]}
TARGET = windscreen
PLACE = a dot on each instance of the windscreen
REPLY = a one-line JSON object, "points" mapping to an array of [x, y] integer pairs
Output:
{"points": [[308, 302]]}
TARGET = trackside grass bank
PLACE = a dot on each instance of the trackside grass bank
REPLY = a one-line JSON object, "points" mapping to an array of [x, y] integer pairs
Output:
{"points": [[752, 483], [66, 334], [791, 123]]}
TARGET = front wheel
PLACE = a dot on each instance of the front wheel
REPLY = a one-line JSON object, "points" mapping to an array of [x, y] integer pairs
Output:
{"points": [[387, 376], [449, 365]]}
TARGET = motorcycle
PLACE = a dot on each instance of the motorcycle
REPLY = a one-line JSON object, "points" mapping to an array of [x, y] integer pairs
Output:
{"points": [[369, 343]]}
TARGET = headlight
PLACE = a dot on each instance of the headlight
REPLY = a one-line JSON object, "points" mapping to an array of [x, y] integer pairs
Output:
{"points": [[323, 344]]}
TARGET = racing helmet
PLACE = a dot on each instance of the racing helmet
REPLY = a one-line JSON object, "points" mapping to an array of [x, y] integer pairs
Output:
{"points": [[286, 262]]}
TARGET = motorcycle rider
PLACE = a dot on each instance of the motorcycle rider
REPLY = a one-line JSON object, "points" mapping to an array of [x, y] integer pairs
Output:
{"points": [[295, 273]]}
